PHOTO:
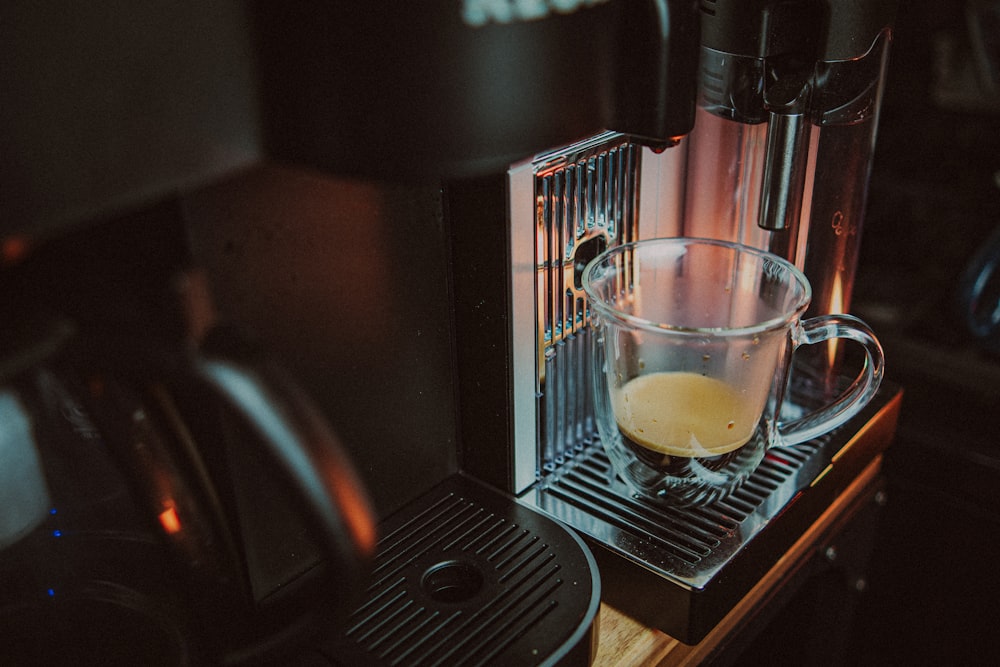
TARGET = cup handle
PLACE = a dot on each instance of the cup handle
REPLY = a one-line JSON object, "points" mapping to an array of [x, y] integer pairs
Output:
{"points": [[856, 396]]}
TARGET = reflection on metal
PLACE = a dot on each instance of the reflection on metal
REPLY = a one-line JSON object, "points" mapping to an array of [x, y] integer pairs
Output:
{"points": [[585, 199]]}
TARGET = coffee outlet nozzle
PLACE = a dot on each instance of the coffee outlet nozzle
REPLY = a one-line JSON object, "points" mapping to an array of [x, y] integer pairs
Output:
{"points": [[785, 161], [793, 70]]}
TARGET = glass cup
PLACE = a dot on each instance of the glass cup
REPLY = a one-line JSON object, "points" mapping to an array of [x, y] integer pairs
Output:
{"points": [[692, 352]]}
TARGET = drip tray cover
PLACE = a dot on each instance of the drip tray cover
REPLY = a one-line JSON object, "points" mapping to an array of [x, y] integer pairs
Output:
{"points": [[682, 570], [465, 575]]}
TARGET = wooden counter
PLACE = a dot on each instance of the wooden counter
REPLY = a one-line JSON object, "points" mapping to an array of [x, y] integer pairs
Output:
{"points": [[625, 642]]}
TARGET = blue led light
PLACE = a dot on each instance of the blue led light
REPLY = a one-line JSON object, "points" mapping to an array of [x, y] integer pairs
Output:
{"points": [[56, 533], [53, 511], [51, 592]]}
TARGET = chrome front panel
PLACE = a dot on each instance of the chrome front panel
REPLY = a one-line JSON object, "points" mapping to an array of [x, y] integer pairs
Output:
{"points": [[566, 207]]}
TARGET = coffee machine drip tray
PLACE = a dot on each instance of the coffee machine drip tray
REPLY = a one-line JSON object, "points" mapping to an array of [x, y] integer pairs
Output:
{"points": [[682, 570], [465, 575]]}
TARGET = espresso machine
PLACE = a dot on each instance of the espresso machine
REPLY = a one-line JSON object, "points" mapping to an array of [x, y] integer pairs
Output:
{"points": [[778, 157], [395, 203]]}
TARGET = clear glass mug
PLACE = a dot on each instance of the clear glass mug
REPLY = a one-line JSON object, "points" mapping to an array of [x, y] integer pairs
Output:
{"points": [[693, 345]]}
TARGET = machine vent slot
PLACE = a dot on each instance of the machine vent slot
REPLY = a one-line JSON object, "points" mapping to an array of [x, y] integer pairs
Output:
{"points": [[463, 578], [586, 200], [473, 539]]}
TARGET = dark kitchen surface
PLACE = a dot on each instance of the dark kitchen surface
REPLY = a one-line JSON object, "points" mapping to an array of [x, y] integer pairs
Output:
{"points": [[931, 594]]}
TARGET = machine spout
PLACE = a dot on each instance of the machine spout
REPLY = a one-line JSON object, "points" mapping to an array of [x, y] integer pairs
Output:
{"points": [[785, 160]]}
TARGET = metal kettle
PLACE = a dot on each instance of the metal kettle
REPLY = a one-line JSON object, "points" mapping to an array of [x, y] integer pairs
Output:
{"points": [[165, 500]]}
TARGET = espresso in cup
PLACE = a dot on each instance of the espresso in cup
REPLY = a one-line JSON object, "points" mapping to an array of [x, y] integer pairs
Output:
{"points": [[669, 418], [692, 343]]}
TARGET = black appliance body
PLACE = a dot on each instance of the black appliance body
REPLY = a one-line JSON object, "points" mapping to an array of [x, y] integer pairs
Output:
{"points": [[171, 496]]}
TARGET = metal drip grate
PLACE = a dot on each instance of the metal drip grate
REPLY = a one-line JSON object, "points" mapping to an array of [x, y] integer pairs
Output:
{"points": [[689, 543], [682, 569], [465, 576]]}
